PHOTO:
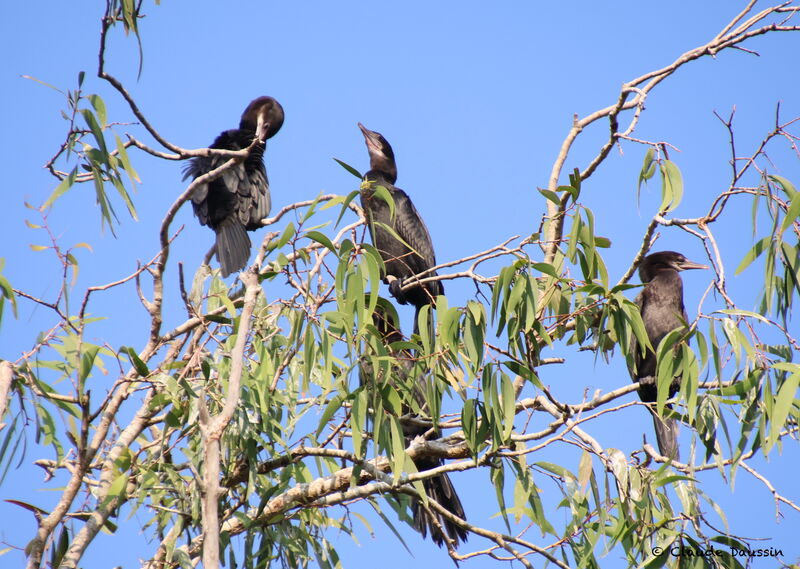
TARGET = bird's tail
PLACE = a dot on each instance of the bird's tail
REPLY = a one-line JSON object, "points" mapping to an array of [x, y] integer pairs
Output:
{"points": [[440, 488], [233, 246], [666, 436]]}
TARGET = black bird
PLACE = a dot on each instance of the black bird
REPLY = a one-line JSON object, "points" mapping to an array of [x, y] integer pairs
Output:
{"points": [[413, 252], [239, 199], [440, 488], [662, 309]]}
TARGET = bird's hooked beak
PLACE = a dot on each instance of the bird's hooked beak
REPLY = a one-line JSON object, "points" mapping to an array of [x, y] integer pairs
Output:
{"points": [[686, 264], [371, 138], [262, 126]]}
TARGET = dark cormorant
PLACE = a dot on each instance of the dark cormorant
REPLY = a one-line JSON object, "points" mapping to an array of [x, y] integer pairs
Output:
{"points": [[661, 306], [239, 199], [439, 488], [413, 252]]}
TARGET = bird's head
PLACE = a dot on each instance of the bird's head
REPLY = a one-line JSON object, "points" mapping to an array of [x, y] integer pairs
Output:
{"points": [[381, 156], [263, 115], [665, 260]]}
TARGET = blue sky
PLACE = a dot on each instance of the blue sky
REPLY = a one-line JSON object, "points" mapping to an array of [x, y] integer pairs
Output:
{"points": [[475, 101]]}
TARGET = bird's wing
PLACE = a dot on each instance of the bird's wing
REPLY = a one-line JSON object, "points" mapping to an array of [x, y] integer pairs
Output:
{"points": [[414, 232], [641, 301], [195, 168], [246, 182], [253, 192], [660, 316]]}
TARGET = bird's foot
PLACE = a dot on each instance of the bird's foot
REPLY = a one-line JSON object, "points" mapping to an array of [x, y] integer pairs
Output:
{"points": [[395, 289]]}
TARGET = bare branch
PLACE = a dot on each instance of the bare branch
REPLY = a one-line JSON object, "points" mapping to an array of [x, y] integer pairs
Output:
{"points": [[213, 427]]}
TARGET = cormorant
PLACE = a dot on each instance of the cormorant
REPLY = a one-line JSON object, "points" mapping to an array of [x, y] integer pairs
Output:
{"points": [[440, 488], [413, 252], [662, 309], [239, 199]]}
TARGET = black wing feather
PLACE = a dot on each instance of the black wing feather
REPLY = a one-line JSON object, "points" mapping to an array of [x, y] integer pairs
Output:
{"points": [[409, 255], [234, 202]]}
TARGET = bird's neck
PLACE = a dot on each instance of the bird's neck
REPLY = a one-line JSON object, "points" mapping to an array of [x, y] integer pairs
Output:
{"points": [[668, 286], [381, 175]]}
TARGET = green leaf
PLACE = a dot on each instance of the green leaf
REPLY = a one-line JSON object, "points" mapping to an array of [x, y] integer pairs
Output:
{"points": [[333, 405], [288, 233], [469, 423], [138, 364], [117, 487], [122, 153], [106, 209], [30, 507], [310, 211], [349, 168], [647, 171], [358, 418], [602, 242], [574, 237], [648, 166], [753, 254], [784, 402], [671, 186], [97, 132], [551, 196], [6, 292], [545, 268], [99, 108], [508, 399], [523, 372], [83, 245], [398, 448], [785, 185], [791, 213], [350, 197], [575, 184], [382, 193], [120, 187], [745, 313], [473, 334], [556, 469], [584, 470], [45, 84], [497, 476], [322, 239], [65, 184], [87, 361]]}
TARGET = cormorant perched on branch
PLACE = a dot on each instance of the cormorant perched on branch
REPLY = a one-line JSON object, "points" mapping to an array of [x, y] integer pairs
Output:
{"points": [[412, 253], [661, 306], [439, 488], [239, 199]]}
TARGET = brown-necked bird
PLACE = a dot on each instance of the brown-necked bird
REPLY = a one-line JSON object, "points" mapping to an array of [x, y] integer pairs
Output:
{"points": [[237, 201], [662, 309], [440, 488], [412, 253]]}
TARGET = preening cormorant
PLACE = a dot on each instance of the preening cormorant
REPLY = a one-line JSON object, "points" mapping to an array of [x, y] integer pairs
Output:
{"points": [[413, 252], [237, 201], [661, 305], [439, 488]]}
